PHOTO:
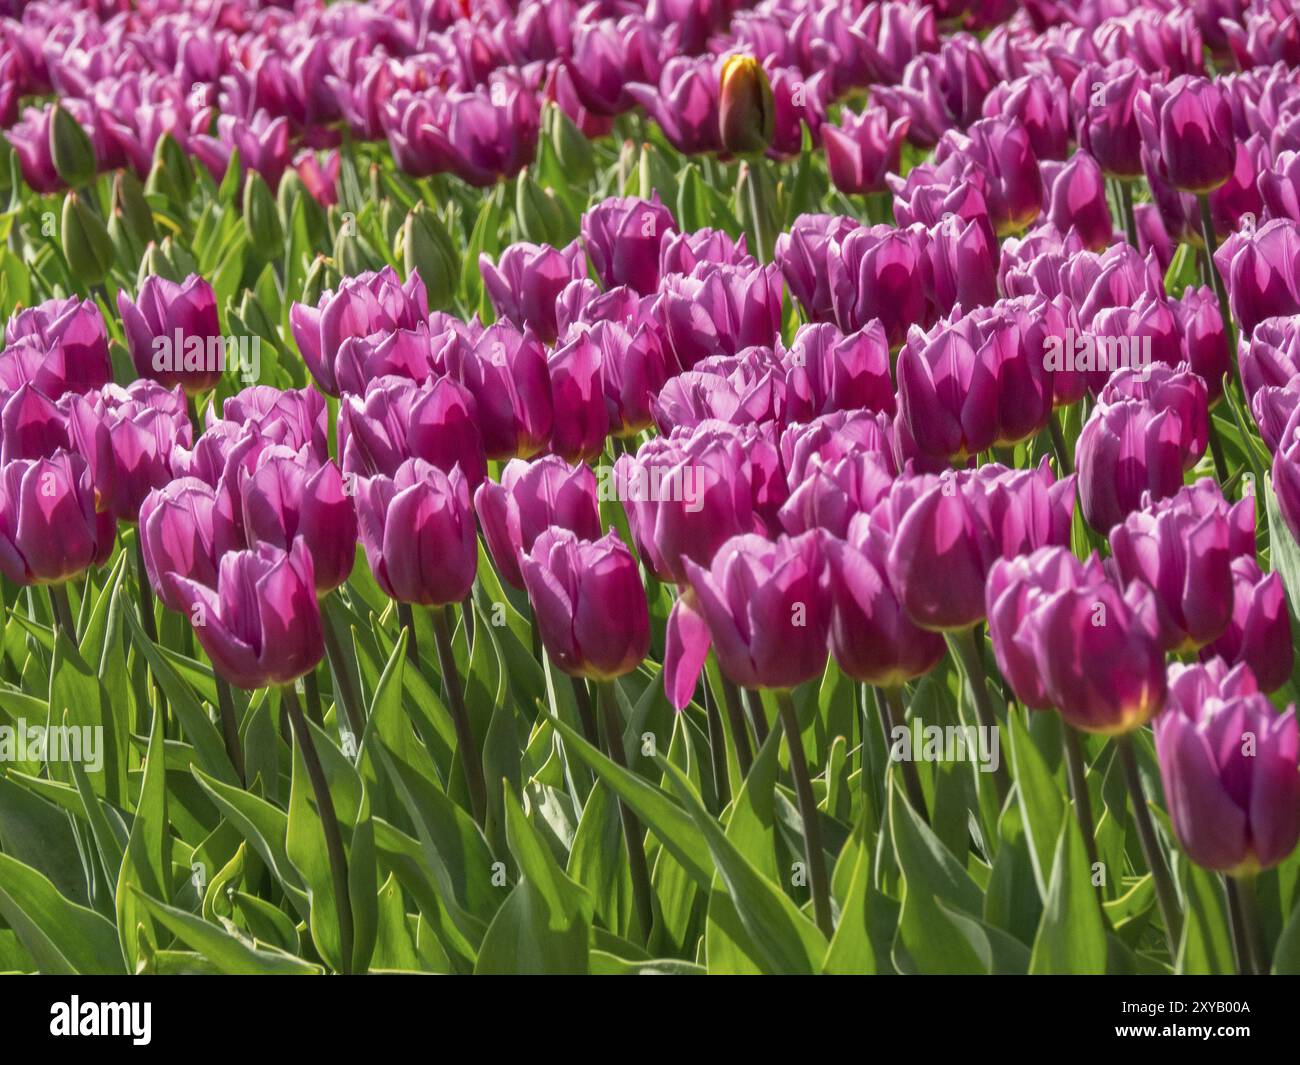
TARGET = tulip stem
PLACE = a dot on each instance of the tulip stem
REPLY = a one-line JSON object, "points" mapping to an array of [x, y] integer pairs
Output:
{"points": [[62, 610], [329, 822], [1243, 916], [739, 729], [972, 661], [754, 703], [470, 763], [717, 750], [1166, 897], [312, 691], [1064, 466], [1216, 449], [1125, 190], [889, 703], [582, 699], [1077, 773], [344, 690], [812, 828], [642, 894], [757, 207], [146, 614], [1211, 246], [230, 728], [406, 619]]}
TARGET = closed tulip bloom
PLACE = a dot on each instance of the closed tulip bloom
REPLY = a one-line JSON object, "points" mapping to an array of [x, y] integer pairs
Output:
{"points": [[526, 281], [1007, 168], [505, 372], [879, 274], [1238, 200], [491, 133], [1228, 763], [49, 531], [1189, 124], [940, 556], [293, 417], [720, 310], [578, 395], [622, 238], [681, 253], [1041, 103], [183, 532], [1015, 588], [1100, 657], [1286, 474], [1205, 340], [260, 625], [863, 149], [1181, 548], [684, 103], [871, 637], [531, 498], [1261, 270], [1172, 388], [1272, 408], [1022, 509], [746, 107], [606, 56], [634, 367], [1125, 450], [827, 371], [418, 531], [1259, 634], [1076, 198], [173, 333], [804, 254], [127, 436], [832, 495], [686, 494], [832, 437], [1279, 186], [71, 335], [947, 393], [1269, 355], [589, 602], [962, 262], [31, 425], [362, 306], [1108, 124], [290, 496], [765, 607]]}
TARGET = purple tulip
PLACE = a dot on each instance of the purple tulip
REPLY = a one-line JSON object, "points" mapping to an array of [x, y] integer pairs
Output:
{"points": [[1259, 634], [1261, 270], [260, 625], [879, 274], [947, 392], [1041, 104], [804, 254], [1076, 197], [1269, 355], [49, 531], [833, 436], [32, 425], [633, 366], [531, 498], [962, 261], [578, 395], [862, 149], [1175, 389], [528, 279], [1279, 186], [606, 57], [70, 337], [623, 238], [294, 418], [1005, 168], [263, 143], [489, 134], [720, 310], [685, 102], [1181, 548], [832, 495], [765, 607], [418, 531], [363, 306], [1107, 126], [681, 253], [1228, 762], [173, 333], [589, 602], [1187, 124], [286, 499], [827, 371], [183, 532]]}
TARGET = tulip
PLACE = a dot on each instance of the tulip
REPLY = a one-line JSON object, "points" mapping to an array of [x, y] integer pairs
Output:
{"points": [[49, 531], [1259, 634], [418, 531], [684, 103], [32, 425], [1188, 124], [833, 436], [286, 499], [746, 108], [947, 393], [804, 254], [765, 607], [1228, 762], [744, 389], [623, 237], [263, 143], [863, 149], [527, 280], [1099, 655], [1041, 104], [1127, 449], [71, 333], [293, 417], [879, 273], [1205, 340], [430, 256], [1175, 389], [173, 333], [681, 253], [1279, 186], [1270, 355], [831, 496], [606, 57], [634, 367], [1261, 271], [578, 394], [1107, 126], [826, 371], [720, 310], [183, 532], [1181, 548], [1077, 197], [1004, 167], [260, 624], [961, 261]]}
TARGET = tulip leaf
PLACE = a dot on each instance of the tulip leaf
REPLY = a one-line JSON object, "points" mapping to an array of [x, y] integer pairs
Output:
{"points": [[61, 937], [1041, 804], [146, 863], [1206, 945], [1072, 937]]}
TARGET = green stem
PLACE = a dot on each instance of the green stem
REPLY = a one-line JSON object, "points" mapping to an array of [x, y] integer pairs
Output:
{"points": [[1064, 464], [757, 210], [1216, 449], [717, 750], [633, 836], [754, 704], [145, 593], [470, 763], [1166, 896], [329, 823], [1211, 246], [812, 829], [406, 618], [343, 687], [312, 691], [582, 699], [968, 652], [230, 728], [1126, 205], [889, 702], [1243, 906], [739, 729], [62, 610], [1077, 773]]}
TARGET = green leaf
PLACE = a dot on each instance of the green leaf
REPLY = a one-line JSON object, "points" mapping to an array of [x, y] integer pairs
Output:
{"points": [[62, 937], [1072, 937], [1042, 806], [147, 861]]}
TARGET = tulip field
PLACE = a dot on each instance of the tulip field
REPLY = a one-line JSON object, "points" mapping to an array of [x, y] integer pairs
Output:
{"points": [[677, 487]]}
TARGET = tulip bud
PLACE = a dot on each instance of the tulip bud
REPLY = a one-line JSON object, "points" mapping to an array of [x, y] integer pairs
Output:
{"points": [[261, 220], [571, 148], [172, 174], [157, 262], [319, 278], [70, 148], [86, 243], [129, 200], [427, 249], [542, 218], [746, 106]]}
